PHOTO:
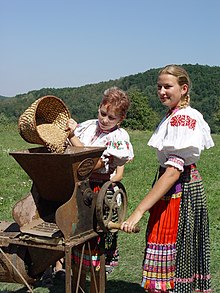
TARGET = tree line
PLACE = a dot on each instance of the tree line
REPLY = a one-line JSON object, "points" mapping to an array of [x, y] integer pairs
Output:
{"points": [[145, 111]]}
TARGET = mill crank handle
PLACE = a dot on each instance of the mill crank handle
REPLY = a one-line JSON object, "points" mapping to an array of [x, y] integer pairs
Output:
{"points": [[112, 225]]}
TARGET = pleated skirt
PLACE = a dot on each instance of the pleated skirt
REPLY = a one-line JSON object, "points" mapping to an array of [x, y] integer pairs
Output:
{"points": [[177, 254]]}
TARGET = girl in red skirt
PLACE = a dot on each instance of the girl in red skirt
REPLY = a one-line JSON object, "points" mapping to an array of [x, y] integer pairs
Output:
{"points": [[177, 254]]}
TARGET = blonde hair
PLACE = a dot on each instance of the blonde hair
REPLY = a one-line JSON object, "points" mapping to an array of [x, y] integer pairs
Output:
{"points": [[182, 78]]}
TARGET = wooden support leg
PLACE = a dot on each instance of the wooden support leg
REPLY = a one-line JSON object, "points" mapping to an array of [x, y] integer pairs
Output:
{"points": [[79, 275], [98, 278], [68, 282], [102, 274]]}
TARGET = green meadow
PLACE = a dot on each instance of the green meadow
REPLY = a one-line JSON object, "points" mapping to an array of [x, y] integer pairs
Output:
{"points": [[139, 174]]}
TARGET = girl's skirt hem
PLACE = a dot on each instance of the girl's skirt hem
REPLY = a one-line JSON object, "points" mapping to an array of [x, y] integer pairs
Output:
{"points": [[177, 254]]}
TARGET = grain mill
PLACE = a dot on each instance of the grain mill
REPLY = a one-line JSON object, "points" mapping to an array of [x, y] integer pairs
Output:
{"points": [[60, 212]]}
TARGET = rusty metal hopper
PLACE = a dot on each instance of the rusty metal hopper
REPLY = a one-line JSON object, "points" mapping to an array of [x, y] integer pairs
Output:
{"points": [[60, 199], [52, 173]]}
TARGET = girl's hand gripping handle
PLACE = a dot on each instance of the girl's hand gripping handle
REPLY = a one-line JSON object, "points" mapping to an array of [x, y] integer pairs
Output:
{"points": [[112, 225]]}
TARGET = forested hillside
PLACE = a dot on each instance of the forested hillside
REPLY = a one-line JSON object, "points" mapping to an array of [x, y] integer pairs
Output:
{"points": [[146, 109]]}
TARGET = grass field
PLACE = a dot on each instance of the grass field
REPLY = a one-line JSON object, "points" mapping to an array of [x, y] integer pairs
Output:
{"points": [[139, 174]]}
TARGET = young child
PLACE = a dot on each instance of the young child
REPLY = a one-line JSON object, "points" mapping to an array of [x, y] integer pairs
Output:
{"points": [[177, 255], [105, 131]]}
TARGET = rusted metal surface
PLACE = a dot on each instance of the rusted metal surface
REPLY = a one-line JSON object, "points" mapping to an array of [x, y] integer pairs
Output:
{"points": [[117, 204], [60, 212], [14, 258], [52, 173], [58, 191]]}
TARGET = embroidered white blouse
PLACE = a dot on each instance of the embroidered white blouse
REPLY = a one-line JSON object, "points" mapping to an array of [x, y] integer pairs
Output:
{"points": [[180, 138], [117, 143]]}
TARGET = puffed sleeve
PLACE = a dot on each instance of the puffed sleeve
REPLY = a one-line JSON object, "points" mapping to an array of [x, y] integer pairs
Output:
{"points": [[183, 141], [85, 131], [120, 147], [81, 127], [182, 138]]}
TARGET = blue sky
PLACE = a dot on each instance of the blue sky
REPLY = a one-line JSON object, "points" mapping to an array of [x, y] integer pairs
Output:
{"points": [[70, 43]]}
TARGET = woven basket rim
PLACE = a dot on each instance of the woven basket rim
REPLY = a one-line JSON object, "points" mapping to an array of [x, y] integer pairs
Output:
{"points": [[34, 120], [40, 100]]}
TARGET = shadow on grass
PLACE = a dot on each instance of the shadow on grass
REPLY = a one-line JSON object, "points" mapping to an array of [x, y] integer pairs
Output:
{"points": [[123, 287], [59, 287]]}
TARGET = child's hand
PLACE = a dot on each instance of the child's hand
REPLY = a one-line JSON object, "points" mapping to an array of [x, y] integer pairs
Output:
{"points": [[71, 125]]}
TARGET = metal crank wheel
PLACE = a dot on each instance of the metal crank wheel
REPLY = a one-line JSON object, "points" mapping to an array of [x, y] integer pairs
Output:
{"points": [[111, 205]]}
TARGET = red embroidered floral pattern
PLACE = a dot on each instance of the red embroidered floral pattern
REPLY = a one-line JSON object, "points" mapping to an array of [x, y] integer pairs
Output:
{"points": [[183, 120], [117, 145]]}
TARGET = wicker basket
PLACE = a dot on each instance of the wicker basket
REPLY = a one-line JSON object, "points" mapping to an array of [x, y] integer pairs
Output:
{"points": [[44, 123]]}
